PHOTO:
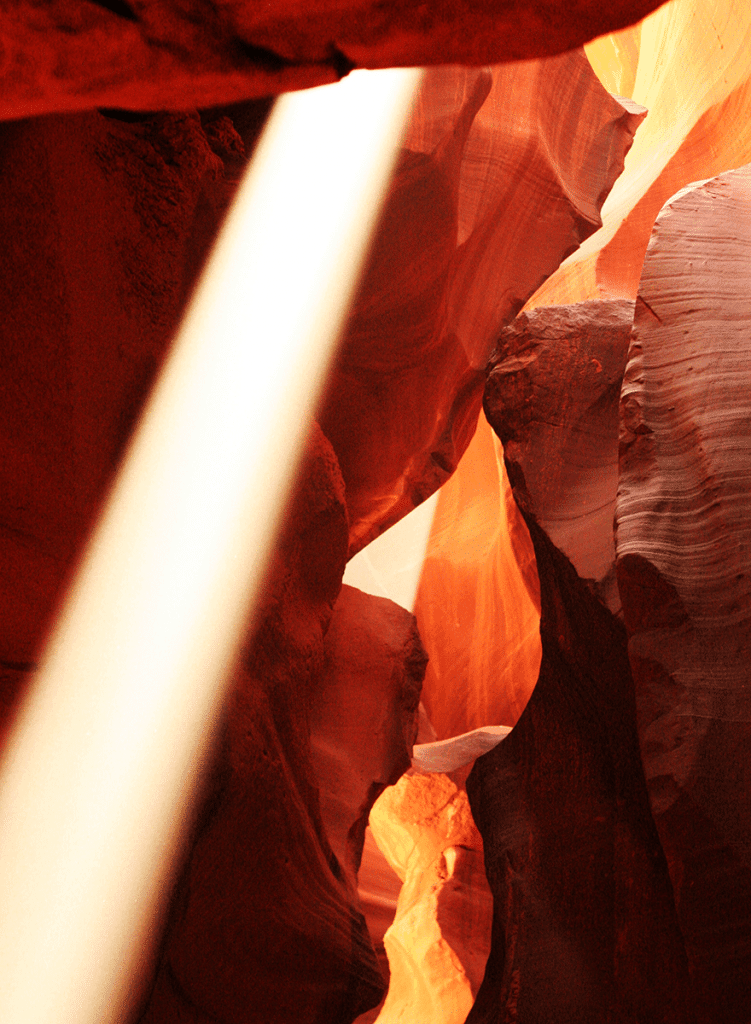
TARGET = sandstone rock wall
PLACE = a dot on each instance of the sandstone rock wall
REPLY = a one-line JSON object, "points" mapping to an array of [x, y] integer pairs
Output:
{"points": [[683, 547], [553, 394], [484, 205], [439, 941], [584, 926], [106, 218], [689, 64]]}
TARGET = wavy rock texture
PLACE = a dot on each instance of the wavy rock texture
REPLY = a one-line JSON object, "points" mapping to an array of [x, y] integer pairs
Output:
{"points": [[584, 928], [482, 209], [162, 54], [689, 64], [477, 572], [683, 543], [108, 220], [438, 943], [552, 396]]}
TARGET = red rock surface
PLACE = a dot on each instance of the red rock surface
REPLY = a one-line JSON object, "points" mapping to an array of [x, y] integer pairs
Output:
{"points": [[484, 206], [165, 54], [106, 222], [552, 395], [109, 220], [683, 542], [363, 718], [478, 603], [584, 926], [104, 226]]}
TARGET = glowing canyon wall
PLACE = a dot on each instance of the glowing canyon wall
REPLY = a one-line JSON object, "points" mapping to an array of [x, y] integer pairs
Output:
{"points": [[541, 334]]}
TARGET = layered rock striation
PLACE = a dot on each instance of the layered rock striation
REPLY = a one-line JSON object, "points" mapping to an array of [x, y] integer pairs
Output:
{"points": [[683, 541]]}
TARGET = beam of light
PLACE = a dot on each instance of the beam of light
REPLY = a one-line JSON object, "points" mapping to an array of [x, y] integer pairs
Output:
{"points": [[100, 769]]}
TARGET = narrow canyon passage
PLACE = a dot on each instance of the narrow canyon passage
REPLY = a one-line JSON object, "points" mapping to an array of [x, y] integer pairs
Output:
{"points": [[484, 755]]}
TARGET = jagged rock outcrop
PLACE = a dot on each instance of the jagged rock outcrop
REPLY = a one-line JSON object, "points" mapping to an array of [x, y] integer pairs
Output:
{"points": [[684, 564], [162, 54], [553, 393], [482, 209], [584, 926], [439, 941]]}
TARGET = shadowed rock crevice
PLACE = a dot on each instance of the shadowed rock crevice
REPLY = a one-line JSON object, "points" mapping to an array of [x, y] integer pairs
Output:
{"points": [[584, 925]]}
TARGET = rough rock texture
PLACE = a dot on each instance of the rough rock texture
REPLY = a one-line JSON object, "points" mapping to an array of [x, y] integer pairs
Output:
{"points": [[439, 941], [584, 926], [104, 224], [483, 207], [552, 395], [684, 566], [363, 719], [165, 54]]}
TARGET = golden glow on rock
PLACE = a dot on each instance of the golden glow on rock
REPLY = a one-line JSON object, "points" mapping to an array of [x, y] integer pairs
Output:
{"points": [[689, 63], [478, 602]]}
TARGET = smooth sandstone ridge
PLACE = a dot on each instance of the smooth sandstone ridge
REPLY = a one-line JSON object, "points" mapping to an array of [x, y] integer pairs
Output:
{"points": [[689, 64], [684, 568]]}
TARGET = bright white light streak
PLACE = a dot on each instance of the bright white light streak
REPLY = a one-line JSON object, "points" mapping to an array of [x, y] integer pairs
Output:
{"points": [[100, 769], [390, 566]]}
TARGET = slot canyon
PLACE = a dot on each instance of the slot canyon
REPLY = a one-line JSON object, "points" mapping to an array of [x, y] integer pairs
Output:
{"points": [[486, 751]]}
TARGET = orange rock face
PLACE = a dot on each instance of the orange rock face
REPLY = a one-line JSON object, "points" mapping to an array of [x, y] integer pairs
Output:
{"points": [[689, 64], [478, 602], [483, 208], [154, 55], [439, 941], [683, 568]]}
